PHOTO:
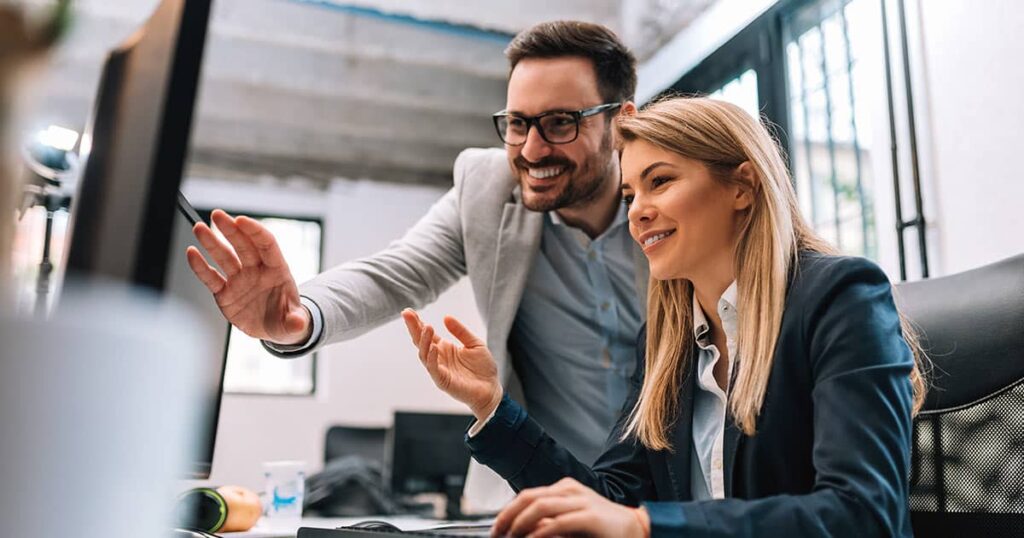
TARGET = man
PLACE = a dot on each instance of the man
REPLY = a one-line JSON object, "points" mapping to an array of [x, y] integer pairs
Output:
{"points": [[539, 231]]}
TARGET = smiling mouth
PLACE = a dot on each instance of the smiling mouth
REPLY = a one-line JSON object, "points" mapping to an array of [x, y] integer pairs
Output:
{"points": [[545, 173], [655, 239]]}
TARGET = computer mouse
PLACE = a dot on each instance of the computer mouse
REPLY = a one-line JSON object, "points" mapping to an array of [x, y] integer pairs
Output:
{"points": [[375, 525]]}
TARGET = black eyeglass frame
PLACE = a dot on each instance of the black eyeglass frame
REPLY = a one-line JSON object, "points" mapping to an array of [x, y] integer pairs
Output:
{"points": [[534, 121]]}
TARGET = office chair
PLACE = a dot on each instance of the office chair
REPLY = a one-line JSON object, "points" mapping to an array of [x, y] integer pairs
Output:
{"points": [[355, 441], [352, 482], [967, 467]]}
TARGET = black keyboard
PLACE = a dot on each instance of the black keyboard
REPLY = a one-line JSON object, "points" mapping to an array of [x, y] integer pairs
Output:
{"points": [[453, 531]]}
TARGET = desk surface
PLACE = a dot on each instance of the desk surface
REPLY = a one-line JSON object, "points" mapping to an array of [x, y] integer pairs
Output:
{"points": [[267, 528]]}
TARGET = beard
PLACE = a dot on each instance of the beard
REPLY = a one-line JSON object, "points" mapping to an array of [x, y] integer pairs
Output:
{"points": [[582, 183]]}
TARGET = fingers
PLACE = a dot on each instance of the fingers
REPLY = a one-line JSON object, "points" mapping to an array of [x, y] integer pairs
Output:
{"points": [[463, 334], [514, 508], [222, 254], [206, 274], [579, 522], [563, 488], [426, 339], [544, 508], [263, 240], [412, 324], [244, 247]]}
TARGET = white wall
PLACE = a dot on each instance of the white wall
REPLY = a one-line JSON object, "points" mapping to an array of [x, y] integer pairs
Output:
{"points": [[968, 95], [360, 382]]}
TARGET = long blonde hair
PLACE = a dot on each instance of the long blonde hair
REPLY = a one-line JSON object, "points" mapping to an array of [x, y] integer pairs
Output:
{"points": [[723, 136]]}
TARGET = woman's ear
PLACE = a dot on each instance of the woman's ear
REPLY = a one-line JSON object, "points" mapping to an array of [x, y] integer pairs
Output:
{"points": [[750, 183]]}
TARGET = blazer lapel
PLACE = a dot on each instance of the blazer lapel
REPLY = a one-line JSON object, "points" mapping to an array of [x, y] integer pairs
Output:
{"points": [[732, 436], [518, 243], [678, 462]]}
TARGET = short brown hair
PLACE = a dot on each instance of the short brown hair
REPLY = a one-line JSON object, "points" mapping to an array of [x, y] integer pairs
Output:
{"points": [[614, 64]]}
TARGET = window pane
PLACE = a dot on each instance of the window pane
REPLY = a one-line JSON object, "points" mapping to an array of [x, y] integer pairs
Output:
{"points": [[741, 91], [250, 368], [834, 63]]}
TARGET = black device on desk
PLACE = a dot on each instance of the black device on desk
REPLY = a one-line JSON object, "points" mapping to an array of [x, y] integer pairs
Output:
{"points": [[428, 454]]}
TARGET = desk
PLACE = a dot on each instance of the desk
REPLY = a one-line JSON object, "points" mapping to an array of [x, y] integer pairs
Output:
{"points": [[266, 529]]}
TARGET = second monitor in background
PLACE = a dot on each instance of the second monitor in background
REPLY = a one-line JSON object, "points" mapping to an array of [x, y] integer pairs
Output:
{"points": [[428, 454]]}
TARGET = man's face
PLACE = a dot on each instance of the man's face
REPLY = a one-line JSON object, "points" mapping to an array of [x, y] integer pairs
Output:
{"points": [[553, 176]]}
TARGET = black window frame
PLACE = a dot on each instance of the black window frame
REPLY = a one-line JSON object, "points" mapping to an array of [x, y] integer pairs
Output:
{"points": [[760, 46]]}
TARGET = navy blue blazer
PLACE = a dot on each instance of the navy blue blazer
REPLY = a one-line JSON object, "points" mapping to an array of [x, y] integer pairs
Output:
{"points": [[831, 455]]}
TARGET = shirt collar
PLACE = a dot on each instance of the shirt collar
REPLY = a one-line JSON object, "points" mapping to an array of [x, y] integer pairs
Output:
{"points": [[580, 236], [700, 321], [620, 218]]}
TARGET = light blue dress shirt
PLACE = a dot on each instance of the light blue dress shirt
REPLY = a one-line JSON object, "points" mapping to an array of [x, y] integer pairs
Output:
{"points": [[709, 400], [573, 341]]}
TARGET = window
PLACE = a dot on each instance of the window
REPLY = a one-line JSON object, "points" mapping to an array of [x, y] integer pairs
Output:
{"points": [[832, 76], [741, 91], [250, 368], [820, 73]]}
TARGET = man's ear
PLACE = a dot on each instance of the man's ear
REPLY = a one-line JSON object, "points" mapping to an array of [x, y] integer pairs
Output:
{"points": [[750, 183], [628, 108]]}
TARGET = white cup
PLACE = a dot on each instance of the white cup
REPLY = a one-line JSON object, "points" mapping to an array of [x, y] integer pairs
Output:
{"points": [[285, 490]]}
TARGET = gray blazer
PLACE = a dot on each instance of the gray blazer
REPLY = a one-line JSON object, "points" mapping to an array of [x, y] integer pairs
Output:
{"points": [[479, 229]]}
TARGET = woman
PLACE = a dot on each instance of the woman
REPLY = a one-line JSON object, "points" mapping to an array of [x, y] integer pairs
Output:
{"points": [[778, 386]]}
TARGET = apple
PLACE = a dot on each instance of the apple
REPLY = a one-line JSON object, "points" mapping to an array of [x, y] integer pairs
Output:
{"points": [[244, 508]]}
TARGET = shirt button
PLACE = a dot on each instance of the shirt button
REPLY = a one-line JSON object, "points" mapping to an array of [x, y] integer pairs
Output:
{"points": [[591, 255], [718, 464], [605, 305]]}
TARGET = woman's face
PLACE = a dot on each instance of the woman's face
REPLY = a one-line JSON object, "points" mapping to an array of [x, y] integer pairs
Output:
{"points": [[685, 220]]}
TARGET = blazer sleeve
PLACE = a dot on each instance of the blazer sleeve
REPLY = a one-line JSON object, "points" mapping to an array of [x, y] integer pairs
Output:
{"points": [[862, 400], [413, 271], [518, 449]]}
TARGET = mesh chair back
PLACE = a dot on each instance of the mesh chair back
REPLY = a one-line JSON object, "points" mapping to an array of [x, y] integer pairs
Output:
{"points": [[967, 473]]}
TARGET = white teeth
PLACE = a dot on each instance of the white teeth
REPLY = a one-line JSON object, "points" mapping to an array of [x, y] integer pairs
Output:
{"points": [[544, 173], [655, 238]]}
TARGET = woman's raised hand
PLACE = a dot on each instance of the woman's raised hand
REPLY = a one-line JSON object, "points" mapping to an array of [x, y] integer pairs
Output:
{"points": [[465, 370]]}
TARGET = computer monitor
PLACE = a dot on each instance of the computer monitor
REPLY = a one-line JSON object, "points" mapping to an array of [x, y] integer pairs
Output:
{"points": [[125, 223], [182, 284], [428, 454], [135, 148]]}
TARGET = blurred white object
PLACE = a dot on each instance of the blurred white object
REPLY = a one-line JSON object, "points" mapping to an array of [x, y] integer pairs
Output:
{"points": [[284, 492], [97, 414]]}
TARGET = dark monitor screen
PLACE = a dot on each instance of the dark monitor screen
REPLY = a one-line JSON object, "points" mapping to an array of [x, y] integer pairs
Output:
{"points": [[125, 224], [135, 148], [428, 453], [182, 283]]}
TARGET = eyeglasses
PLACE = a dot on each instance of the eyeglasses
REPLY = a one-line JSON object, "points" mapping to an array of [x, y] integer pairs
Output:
{"points": [[555, 127]]}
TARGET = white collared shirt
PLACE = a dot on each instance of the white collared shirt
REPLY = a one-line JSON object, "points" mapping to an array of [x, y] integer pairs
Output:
{"points": [[707, 465]]}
